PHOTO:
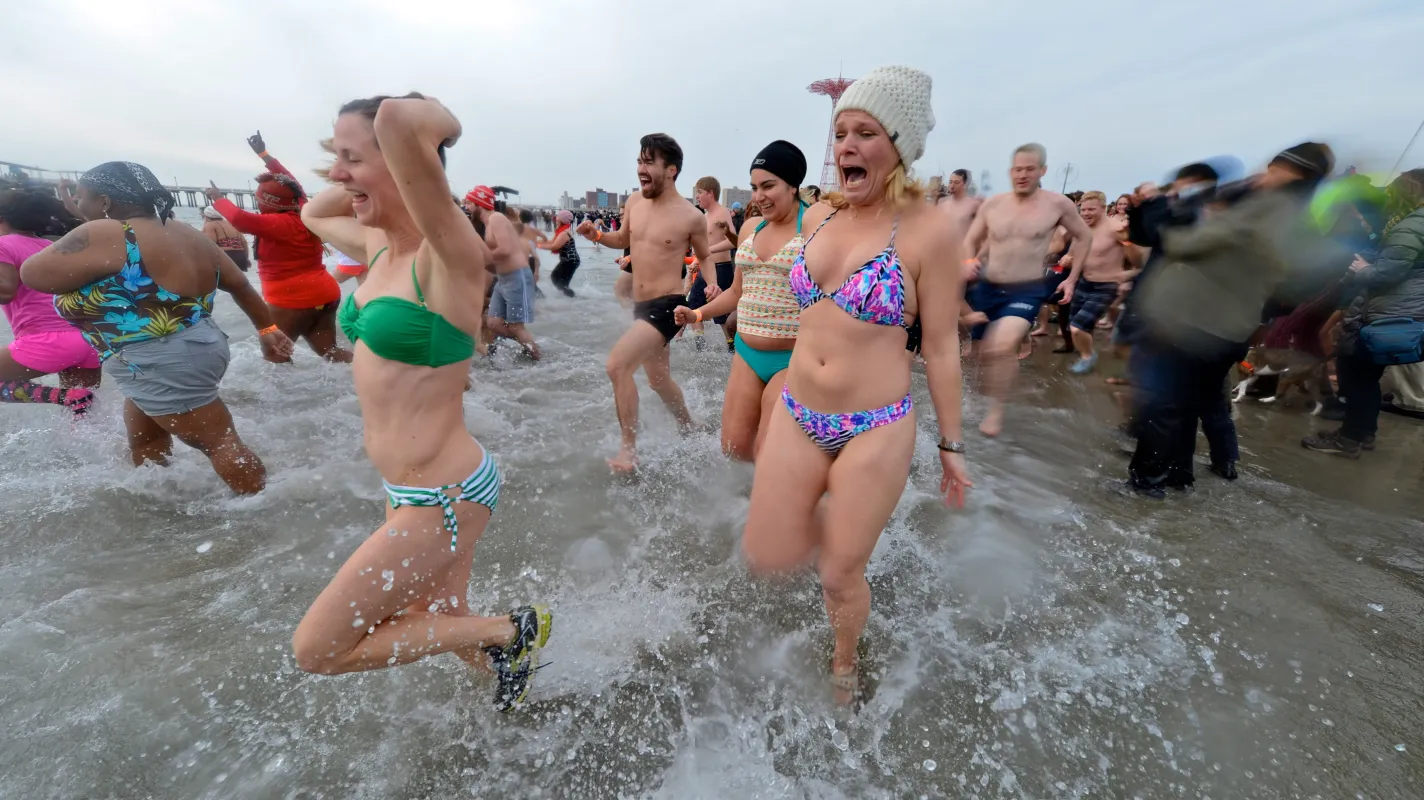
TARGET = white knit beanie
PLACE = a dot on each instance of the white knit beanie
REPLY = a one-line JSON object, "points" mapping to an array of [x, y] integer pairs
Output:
{"points": [[899, 99]]}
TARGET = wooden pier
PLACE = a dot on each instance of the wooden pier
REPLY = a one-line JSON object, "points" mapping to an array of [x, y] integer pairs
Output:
{"points": [[189, 196]]}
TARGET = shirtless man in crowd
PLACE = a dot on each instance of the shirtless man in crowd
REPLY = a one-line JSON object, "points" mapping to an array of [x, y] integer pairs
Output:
{"points": [[534, 236], [511, 302], [1018, 227], [1105, 270], [721, 243], [659, 225], [959, 207]]}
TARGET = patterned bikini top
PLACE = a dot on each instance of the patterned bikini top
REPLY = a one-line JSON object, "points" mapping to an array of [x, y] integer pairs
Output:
{"points": [[875, 293], [768, 307], [129, 307]]}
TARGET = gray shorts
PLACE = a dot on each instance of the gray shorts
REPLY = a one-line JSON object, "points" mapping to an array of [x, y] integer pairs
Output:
{"points": [[175, 374], [513, 298]]}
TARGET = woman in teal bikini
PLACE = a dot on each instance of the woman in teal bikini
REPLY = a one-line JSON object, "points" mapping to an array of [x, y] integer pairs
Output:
{"points": [[414, 323], [768, 316], [837, 454]]}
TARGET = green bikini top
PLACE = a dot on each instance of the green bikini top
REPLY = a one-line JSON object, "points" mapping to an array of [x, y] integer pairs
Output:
{"points": [[398, 330]]}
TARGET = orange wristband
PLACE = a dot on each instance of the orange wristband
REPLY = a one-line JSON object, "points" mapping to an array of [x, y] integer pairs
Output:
{"points": [[262, 154], [969, 261], [698, 312], [267, 330], [598, 236]]}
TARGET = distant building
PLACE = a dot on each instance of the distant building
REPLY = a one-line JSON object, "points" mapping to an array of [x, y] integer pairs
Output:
{"points": [[735, 195], [590, 199], [566, 202]]}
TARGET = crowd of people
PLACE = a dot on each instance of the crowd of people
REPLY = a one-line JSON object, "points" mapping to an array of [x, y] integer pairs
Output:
{"points": [[827, 302]]}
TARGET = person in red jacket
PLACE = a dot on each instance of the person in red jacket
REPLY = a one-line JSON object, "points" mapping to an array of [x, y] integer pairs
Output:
{"points": [[301, 293]]}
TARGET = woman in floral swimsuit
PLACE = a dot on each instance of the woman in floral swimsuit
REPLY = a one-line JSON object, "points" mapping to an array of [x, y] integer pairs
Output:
{"points": [[149, 316]]}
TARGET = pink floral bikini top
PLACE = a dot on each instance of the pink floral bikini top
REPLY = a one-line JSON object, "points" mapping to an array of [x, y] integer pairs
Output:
{"points": [[875, 293]]}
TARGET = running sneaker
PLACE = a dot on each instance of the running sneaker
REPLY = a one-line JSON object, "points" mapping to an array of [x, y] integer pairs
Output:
{"points": [[1333, 443], [1084, 365], [516, 663]]}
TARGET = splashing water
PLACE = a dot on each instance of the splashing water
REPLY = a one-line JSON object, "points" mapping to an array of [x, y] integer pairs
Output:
{"points": [[1054, 640]]}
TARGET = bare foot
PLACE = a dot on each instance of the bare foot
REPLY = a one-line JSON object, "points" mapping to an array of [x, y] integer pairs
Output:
{"points": [[845, 686], [532, 350], [625, 463], [1038, 332], [1025, 349], [1118, 382], [993, 423]]}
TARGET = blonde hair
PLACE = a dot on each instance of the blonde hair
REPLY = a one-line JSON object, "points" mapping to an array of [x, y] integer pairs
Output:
{"points": [[1099, 196], [900, 190], [709, 184], [324, 171], [1036, 150]]}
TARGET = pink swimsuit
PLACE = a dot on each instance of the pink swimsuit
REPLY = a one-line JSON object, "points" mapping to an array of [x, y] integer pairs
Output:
{"points": [[43, 342]]}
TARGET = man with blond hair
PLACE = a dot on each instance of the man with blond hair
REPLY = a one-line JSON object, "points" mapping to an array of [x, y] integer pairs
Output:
{"points": [[719, 224], [1017, 228], [1105, 271]]}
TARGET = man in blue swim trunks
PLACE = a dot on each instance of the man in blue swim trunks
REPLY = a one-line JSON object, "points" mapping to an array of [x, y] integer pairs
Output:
{"points": [[1017, 227]]}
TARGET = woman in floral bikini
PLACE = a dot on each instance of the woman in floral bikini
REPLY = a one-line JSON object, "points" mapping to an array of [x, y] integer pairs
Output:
{"points": [[149, 316]]}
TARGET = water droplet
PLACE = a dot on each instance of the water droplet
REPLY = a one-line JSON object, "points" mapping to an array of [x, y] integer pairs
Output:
{"points": [[389, 576], [1376, 607], [205, 547], [929, 765], [840, 740], [358, 622], [1183, 619], [1399, 747]]}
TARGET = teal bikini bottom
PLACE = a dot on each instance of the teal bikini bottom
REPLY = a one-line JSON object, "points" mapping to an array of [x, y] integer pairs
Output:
{"points": [[765, 363]]}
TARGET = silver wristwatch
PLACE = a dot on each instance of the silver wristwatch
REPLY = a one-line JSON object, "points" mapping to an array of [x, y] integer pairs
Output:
{"points": [[951, 447]]}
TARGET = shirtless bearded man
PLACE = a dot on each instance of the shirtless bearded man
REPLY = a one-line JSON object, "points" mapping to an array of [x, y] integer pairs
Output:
{"points": [[1018, 226], [659, 225]]}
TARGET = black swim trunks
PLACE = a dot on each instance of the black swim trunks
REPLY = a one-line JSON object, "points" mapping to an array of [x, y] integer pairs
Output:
{"points": [[697, 297], [658, 312]]}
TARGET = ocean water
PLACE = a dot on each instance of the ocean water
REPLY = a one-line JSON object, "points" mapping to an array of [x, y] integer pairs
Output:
{"points": [[1056, 639]]}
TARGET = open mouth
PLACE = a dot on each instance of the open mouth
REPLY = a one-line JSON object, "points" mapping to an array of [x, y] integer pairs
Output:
{"points": [[852, 175], [358, 198], [644, 180]]}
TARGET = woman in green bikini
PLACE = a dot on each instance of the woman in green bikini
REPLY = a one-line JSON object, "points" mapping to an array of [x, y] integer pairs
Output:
{"points": [[402, 595]]}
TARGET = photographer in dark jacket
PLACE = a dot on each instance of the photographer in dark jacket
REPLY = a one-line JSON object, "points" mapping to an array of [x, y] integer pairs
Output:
{"points": [[1203, 302], [1151, 375], [1391, 287]]}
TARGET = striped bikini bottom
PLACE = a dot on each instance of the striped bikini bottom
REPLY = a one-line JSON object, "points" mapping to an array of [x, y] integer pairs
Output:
{"points": [[831, 432], [481, 487]]}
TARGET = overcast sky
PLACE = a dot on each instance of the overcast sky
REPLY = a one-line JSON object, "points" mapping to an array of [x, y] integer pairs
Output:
{"points": [[554, 95]]}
